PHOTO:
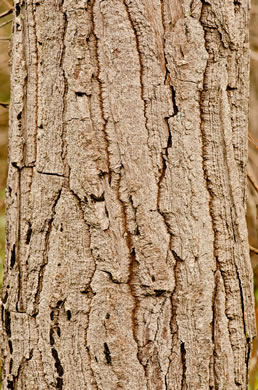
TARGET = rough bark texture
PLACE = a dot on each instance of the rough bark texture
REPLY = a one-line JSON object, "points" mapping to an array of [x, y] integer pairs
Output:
{"points": [[127, 257]]}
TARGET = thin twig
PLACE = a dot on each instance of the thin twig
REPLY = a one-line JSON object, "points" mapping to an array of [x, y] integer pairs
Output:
{"points": [[252, 139], [253, 249], [5, 105], [5, 39], [5, 23], [5, 13], [252, 136], [252, 180]]}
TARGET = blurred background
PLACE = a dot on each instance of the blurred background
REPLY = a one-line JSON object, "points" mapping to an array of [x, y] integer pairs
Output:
{"points": [[252, 206]]}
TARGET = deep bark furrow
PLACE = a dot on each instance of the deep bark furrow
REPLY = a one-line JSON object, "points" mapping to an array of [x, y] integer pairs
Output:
{"points": [[225, 183], [104, 124], [141, 66], [17, 246], [81, 201], [131, 278], [65, 92], [105, 118], [45, 255], [31, 159]]}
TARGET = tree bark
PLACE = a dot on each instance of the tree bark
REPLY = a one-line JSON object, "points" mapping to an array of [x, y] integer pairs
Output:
{"points": [[127, 256]]}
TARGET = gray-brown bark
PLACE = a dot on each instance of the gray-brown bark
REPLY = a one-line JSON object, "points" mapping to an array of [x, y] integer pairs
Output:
{"points": [[127, 257]]}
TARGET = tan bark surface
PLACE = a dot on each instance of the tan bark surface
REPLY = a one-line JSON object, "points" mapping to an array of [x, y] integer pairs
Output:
{"points": [[127, 256]]}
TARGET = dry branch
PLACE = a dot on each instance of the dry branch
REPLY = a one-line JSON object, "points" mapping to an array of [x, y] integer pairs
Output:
{"points": [[5, 13], [252, 181], [5, 23]]}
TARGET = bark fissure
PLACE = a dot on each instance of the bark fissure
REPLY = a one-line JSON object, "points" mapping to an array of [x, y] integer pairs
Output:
{"points": [[141, 67], [33, 11], [17, 245], [65, 92], [184, 365], [45, 262], [226, 184], [50, 173], [88, 288], [131, 250], [59, 368], [167, 80], [107, 354], [100, 97]]}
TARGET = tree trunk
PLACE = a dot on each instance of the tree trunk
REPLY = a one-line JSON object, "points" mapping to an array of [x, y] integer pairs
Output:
{"points": [[127, 256]]}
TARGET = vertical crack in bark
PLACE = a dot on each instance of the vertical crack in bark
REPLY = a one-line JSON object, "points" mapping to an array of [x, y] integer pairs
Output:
{"points": [[167, 75], [161, 177], [204, 97], [101, 104], [79, 202], [13, 255], [106, 169], [18, 305], [248, 338], [206, 177], [29, 233], [184, 365], [21, 55], [88, 287], [167, 78], [21, 117], [33, 12], [45, 259], [214, 297], [62, 59], [105, 132], [131, 251], [210, 192], [173, 94], [107, 354], [14, 382], [141, 66], [132, 254], [59, 369], [248, 357]]}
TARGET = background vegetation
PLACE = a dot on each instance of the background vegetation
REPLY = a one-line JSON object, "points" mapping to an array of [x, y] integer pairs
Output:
{"points": [[252, 207]]}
